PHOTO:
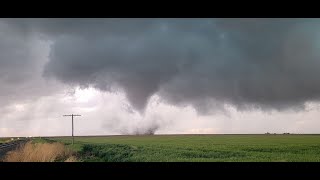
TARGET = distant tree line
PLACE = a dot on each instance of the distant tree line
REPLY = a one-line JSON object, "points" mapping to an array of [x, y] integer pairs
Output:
{"points": [[275, 133]]}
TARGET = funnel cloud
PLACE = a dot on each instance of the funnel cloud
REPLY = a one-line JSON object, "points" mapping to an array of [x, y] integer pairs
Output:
{"points": [[260, 63], [249, 64]]}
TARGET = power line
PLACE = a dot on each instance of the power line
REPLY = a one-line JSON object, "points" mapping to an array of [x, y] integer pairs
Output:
{"points": [[72, 115]]}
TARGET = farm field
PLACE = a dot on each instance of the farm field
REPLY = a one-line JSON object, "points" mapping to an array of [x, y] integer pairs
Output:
{"points": [[196, 148], [3, 140]]}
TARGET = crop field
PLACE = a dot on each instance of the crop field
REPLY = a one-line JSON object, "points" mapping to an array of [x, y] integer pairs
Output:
{"points": [[2, 140], [196, 148]]}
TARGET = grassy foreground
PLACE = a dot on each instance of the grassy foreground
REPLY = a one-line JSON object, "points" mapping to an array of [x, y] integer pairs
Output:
{"points": [[3, 140], [226, 148], [34, 151]]}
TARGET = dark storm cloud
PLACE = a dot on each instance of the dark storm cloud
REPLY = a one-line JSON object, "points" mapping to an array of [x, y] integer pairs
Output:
{"points": [[21, 66], [261, 63]]}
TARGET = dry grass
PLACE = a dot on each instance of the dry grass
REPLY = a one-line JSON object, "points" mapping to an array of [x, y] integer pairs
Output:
{"points": [[40, 152], [71, 159]]}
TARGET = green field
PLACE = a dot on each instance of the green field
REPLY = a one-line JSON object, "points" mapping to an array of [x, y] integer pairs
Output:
{"points": [[2, 140], [158, 148]]}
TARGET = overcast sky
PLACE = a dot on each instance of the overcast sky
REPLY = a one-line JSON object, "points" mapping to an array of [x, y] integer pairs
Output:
{"points": [[133, 76]]}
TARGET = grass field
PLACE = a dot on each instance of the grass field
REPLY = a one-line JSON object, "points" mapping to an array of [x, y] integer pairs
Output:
{"points": [[227, 148], [2, 140]]}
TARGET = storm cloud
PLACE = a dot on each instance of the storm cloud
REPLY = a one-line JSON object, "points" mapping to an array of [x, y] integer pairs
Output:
{"points": [[207, 63], [22, 58]]}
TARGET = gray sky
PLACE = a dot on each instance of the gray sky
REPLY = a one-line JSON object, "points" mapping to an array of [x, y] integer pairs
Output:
{"points": [[132, 76]]}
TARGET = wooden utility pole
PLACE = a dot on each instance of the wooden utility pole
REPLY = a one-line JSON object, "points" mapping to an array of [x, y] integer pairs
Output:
{"points": [[72, 125]]}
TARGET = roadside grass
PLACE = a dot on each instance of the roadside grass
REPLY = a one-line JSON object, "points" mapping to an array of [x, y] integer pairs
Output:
{"points": [[41, 152]]}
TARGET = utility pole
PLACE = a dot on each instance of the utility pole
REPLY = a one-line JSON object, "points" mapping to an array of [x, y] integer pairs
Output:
{"points": [[72, 125]]}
